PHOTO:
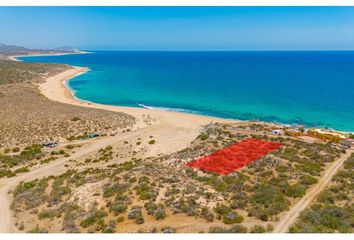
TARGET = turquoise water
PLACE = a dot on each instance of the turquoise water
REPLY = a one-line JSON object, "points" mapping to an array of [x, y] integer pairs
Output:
{"points": [[311, 88]]}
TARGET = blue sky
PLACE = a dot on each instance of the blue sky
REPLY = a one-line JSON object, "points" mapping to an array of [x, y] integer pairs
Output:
{"points": [[177, 28]]}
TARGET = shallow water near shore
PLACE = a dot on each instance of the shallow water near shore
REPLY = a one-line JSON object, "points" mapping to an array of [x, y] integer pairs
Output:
{"points": [[311, 88]]}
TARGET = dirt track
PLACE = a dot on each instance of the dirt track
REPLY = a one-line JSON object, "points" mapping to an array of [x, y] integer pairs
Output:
{"points": [[290, 216]]}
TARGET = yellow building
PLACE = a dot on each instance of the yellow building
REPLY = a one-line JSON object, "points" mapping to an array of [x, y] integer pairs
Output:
{"points": [[326, 135], [293, 132]]}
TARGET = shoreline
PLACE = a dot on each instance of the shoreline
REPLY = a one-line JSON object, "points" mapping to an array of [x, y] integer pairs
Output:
{"points": [[14, 57], [56, 88], [69, 97], [64, 94]]}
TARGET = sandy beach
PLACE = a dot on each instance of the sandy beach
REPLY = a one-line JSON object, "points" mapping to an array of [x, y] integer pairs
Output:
{"points": [[15, 57], [176, 130], [55, 88]]}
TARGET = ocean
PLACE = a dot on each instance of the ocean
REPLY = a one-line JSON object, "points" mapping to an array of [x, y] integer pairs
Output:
{"points": [[313, 88]]}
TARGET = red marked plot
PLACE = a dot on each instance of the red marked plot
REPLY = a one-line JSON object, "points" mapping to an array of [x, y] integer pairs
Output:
{"points": [[233, 157]]}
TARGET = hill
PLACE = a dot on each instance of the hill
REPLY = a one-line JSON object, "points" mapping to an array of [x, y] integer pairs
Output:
{"points": [[12, 50]]}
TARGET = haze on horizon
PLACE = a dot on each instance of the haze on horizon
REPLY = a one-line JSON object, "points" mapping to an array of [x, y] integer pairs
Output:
{"points": [[179, 28]]}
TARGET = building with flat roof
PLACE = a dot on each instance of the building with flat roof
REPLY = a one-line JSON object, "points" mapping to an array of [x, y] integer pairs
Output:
{"points": [[293, 132], [326, 135]]}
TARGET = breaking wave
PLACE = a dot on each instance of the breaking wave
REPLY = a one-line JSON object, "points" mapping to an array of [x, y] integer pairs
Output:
{"points": [[168, 109]]}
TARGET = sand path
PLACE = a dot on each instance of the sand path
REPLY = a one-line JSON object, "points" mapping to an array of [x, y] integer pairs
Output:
{"points": [[289, 218]]}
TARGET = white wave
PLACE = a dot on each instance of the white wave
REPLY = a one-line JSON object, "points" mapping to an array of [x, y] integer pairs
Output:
{"points": [[168, 109]]}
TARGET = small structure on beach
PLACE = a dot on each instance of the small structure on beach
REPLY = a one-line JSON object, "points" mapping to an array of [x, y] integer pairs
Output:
{"points": [[277, 132]]}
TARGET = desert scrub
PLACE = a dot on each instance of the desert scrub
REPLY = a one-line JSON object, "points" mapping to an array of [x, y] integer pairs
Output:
{"points": [[239, 200], [187, 205], [47, 214], [206, 214], [295, 190], [157, 210], [117, 207], [267, 201], [30, 194], [117, 188], [144, 189], [333, 209], [311, 168], [126, 166], [106, 153], [70, 146], [237, 228], [58, 191], [74, 119], [308, 180], [203, 136], [48, 160], [136, 214], [93, 217], [227, 214], [16, 149], [21, 170], [322, 218], [257, 229], [152, 141], [72, 212], [29, 153]]}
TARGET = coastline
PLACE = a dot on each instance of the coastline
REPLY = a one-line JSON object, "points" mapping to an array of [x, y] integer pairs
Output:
{"points": [[56, 88], [14, 57], [64, 94]]}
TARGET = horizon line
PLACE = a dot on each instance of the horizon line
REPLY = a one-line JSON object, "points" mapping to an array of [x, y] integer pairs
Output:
{"points": [[216, 50]]}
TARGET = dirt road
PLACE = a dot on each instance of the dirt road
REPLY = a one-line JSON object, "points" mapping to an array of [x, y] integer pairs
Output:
{"points": [[290, 216]]}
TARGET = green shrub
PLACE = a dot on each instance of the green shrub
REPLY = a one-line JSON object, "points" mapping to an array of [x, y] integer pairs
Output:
{"points": [[118, 207], [207, 215], [267, 201], [120, 219], [22, 170], [308, 180], [222, 209], [295, 190], [237, 228], [204, 136], [257, 229], [16, 149], [232, 218], [47, 214], [74, 119], [93, 218]]}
